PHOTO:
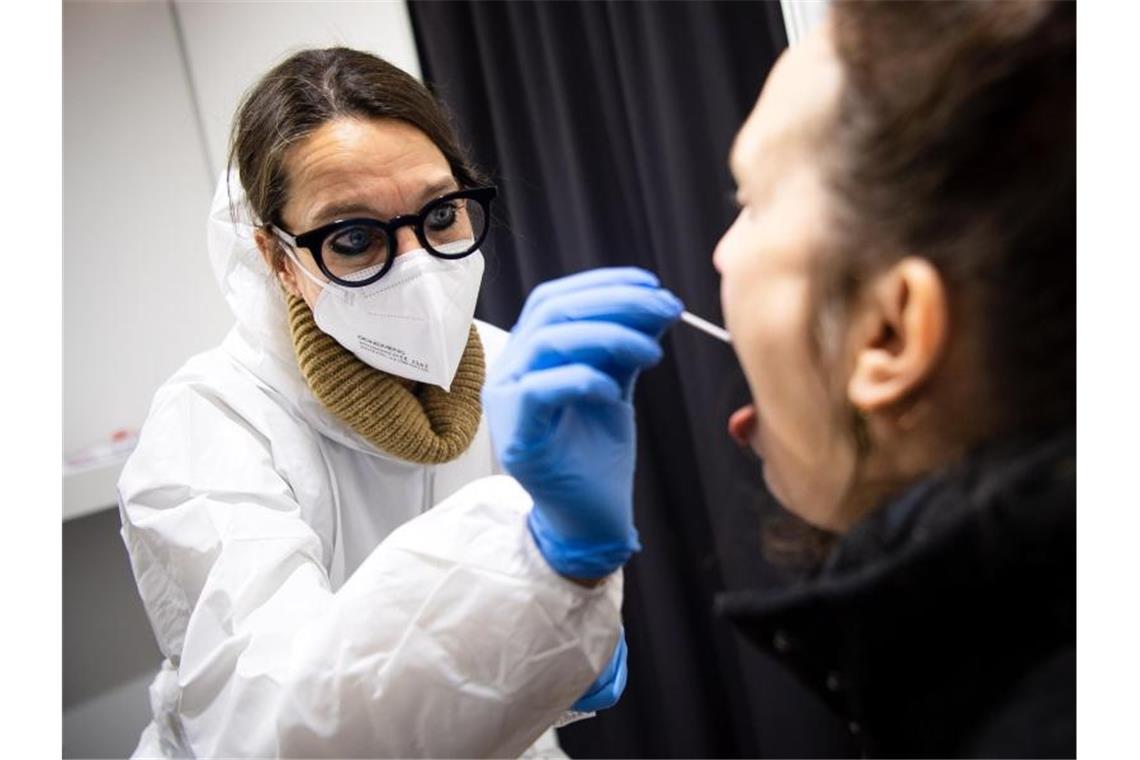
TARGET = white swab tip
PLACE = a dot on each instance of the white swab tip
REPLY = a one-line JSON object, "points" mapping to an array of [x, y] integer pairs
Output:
{"points": [[708, 328]]}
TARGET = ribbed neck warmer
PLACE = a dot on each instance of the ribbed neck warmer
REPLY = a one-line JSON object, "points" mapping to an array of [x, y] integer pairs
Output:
{"points": [[413, 421]]}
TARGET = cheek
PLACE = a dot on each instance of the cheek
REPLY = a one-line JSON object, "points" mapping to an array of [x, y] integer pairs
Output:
{"points": [[804, 461], [781, 372], [807, 462], [310, 291], [736, 259], [304, 286]]}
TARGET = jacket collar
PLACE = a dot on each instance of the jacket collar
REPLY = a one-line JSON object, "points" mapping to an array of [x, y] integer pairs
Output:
{"points": [[966, 578]]}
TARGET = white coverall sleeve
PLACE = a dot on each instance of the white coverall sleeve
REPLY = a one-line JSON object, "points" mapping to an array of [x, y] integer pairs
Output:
{"points": [[453, 638]]}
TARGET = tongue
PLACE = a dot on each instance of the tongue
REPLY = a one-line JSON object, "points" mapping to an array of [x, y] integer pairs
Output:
{"points": [[741, 424]]}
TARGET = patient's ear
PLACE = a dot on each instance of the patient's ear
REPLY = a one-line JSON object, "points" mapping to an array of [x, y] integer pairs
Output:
{"points": [[281, 266], [900, 331]]}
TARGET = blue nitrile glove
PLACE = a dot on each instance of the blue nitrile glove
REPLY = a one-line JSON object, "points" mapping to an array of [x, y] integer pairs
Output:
{"points": [[606, 690], [558, 405]]}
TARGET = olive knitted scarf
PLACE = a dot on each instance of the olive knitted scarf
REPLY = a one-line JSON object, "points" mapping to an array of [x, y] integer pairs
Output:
{"points": [[413, 421]]}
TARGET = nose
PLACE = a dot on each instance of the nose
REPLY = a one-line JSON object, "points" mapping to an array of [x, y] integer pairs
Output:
{"points": [[406, 241], [720, 253]]}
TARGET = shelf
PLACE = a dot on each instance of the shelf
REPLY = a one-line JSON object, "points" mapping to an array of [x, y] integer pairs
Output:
{"points": [[88, 490]]}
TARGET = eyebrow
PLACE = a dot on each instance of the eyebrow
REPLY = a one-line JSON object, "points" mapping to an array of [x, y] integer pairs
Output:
{"points": [[438, 188], [341, 210]]}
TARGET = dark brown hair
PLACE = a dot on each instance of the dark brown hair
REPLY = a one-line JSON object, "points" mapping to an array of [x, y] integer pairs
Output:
{"points": [[313, 87], [955, 141]]}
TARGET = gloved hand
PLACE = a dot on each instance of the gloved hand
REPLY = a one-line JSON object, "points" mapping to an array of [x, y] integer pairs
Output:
{"points": [[558, 405], [606, 690]]}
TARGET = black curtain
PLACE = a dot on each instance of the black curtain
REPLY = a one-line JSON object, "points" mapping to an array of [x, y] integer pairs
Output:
{"points": [[607, 127]]}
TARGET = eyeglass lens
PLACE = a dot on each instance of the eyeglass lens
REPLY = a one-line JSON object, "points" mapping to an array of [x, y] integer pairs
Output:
{"points": [[453, 226], [356, 252]]}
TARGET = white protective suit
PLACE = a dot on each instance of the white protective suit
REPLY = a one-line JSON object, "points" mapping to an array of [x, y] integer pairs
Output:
{"points": [[307, 601]]}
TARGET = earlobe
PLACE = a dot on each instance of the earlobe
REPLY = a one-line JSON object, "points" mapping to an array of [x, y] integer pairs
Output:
{"points": [[901, 334]]}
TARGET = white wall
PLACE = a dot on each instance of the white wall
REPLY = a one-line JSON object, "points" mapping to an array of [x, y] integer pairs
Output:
{"points": [[226, 56], [138, 296]]}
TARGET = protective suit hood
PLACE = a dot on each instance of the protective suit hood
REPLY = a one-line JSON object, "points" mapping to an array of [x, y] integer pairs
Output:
{"points": [[260, 340]]}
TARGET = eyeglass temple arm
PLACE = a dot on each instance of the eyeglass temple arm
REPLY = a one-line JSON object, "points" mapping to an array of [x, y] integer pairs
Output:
{"points": [[282, 235]]}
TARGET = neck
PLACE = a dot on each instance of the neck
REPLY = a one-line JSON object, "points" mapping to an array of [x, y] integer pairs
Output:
{"points": [[900, 450]]}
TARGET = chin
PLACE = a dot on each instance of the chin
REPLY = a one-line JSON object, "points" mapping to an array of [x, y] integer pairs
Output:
{"points": [[773, 484]]}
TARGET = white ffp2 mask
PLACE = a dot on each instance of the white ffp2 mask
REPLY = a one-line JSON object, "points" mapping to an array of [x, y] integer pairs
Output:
{"points": [[413, 322]]}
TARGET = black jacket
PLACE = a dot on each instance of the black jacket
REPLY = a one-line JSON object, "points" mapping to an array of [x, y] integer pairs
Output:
{"points": [[945, 623]]}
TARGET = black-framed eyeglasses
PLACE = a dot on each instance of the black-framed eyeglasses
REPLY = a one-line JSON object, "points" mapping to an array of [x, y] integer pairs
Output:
{"points": [[358, 252]]}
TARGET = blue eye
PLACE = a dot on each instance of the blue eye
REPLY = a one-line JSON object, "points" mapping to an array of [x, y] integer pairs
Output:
{"points": [[442, 217], [354, 241]]}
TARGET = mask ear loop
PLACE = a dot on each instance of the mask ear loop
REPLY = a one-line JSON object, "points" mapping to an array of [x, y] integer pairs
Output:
{"points": [[287, 242]]}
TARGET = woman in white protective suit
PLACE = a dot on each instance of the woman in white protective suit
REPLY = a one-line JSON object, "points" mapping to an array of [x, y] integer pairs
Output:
{"points": [[276, 510]]}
